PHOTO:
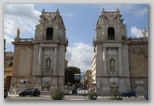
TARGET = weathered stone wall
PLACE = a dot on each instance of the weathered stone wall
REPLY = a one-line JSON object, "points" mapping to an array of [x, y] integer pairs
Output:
{"points": [[22, 67], [25, 60], [138, 66]]}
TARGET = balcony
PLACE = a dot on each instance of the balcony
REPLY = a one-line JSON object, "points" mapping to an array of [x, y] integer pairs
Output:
{"points": [[54, 40], [23, 40], [26, 39]]}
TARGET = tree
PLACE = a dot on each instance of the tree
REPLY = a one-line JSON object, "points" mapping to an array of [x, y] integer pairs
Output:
{"points": [[69, 74]]}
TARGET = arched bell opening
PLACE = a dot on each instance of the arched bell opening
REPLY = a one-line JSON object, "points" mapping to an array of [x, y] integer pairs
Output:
{"points": [[111, 33], [49, 34]]}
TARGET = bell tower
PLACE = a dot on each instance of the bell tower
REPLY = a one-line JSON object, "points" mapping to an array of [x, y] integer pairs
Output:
{"points": [[49, 52], [110, 26], [111, 49]]}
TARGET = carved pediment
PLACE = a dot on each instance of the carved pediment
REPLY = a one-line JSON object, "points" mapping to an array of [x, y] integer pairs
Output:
{"points": [[111, 15]]}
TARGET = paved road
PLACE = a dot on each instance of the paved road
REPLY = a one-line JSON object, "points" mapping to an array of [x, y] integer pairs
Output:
{"points": [[66, 97], [82, 95]]}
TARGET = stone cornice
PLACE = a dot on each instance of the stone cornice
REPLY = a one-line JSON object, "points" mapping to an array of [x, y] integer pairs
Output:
{"points": [[123, 76], [21, 43], [48, 76]]}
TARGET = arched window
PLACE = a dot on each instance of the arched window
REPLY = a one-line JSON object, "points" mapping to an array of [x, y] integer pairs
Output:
{"points": [[111, 35], [48, 64], [49, 34]]}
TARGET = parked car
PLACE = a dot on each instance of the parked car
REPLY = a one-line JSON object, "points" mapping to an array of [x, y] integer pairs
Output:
{"points": [[74, 91], [146, 96], [30, 92], [128, 93], [5, 92]]}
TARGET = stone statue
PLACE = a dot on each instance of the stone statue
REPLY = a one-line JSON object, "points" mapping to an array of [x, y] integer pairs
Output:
{"points": [[112, 64], [144, 32], [48, 64], [118, 10], [18, 32]]}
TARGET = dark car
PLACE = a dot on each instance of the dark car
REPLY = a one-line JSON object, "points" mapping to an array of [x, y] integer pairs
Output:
{"points": [[74, 91], [5, 92], [30, 92], [146, 97], [128, 93]]}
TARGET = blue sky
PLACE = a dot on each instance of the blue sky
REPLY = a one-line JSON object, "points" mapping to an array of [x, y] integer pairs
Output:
{"points": [[80, 23]]}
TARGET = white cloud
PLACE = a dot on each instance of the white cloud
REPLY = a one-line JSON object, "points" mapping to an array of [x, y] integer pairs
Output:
{"points": [[80, 55], [22, 16], [135, 32]]}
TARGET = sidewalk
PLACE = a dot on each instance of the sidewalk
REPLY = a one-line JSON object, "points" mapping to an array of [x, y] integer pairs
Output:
{"points": [[69, 97], [12, 95]]}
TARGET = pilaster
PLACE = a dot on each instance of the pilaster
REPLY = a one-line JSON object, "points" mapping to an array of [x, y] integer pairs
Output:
{"points": [[104, 61], [55, 70], [120, 62], [39, 60]]}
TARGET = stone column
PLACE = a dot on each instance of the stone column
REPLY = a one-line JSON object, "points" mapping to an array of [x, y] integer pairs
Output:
{"points": [[40, 61], [104, 61], [120, 62]]}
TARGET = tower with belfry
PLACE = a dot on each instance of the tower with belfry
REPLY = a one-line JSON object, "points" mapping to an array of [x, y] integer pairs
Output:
{"points": [[120, 62], [39, 62]]}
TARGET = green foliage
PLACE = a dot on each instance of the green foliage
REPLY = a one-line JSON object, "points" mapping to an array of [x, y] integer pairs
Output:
{"points": [[119, 98], [92, 95], [69, 75], [116, 95], [57, 94]]}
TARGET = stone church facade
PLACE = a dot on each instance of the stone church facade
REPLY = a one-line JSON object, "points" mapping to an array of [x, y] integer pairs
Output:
{"points": [[120, 62], [40, 61]]}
